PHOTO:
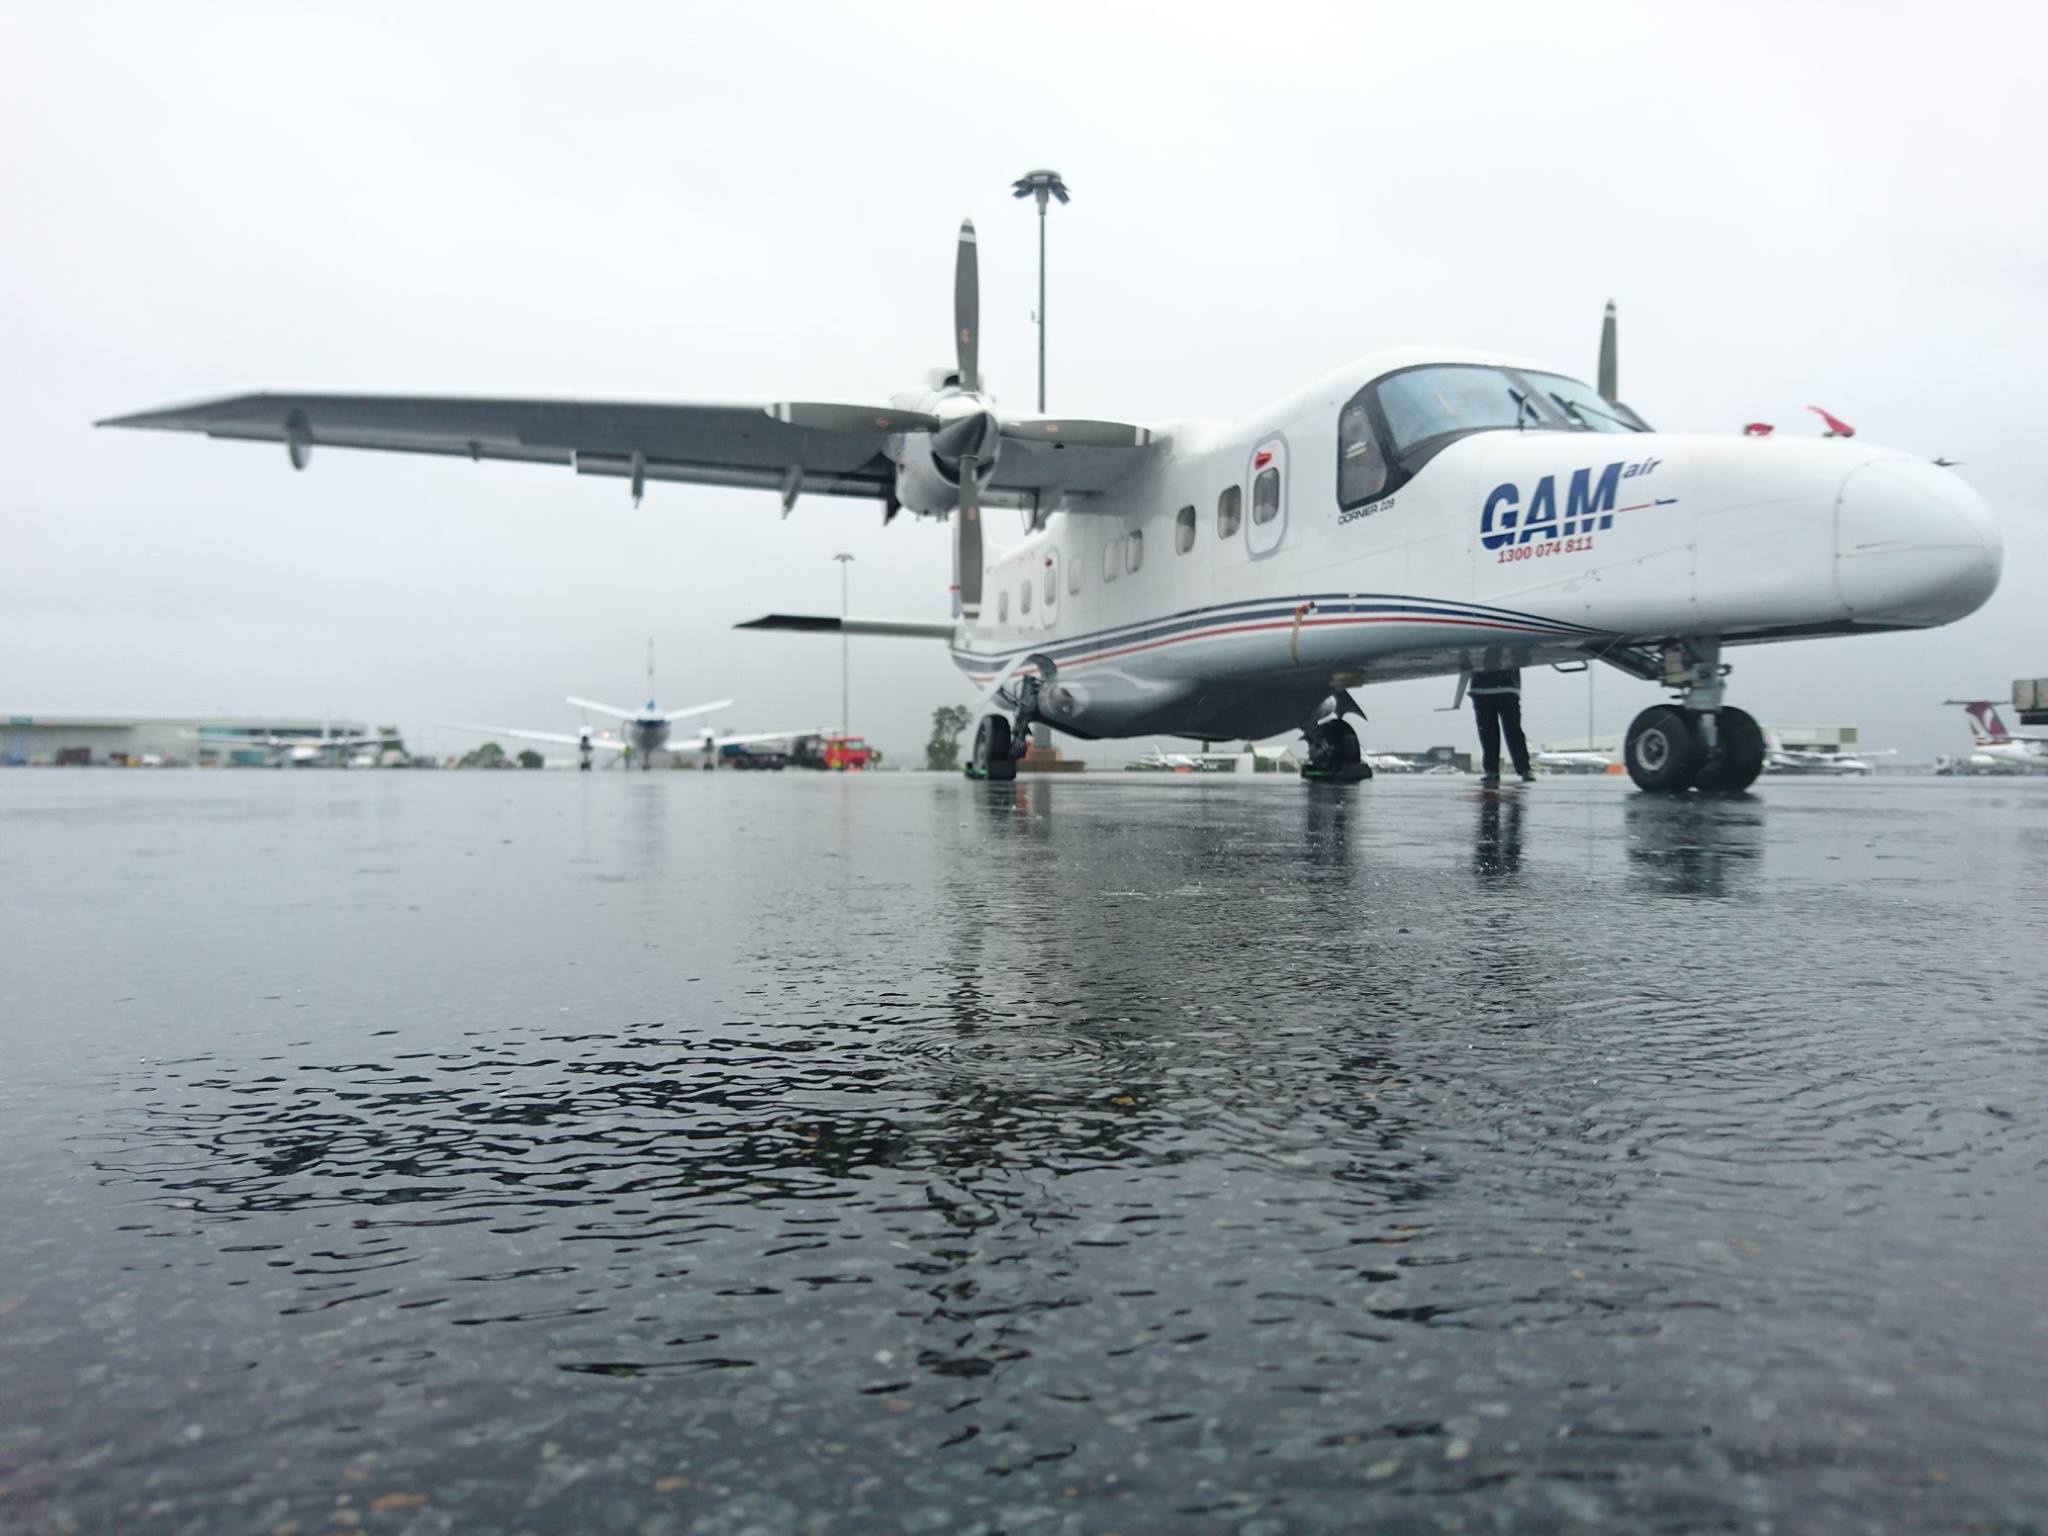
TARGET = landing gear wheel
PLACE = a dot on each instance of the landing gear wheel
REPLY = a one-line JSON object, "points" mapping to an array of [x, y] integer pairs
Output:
{"points": [[992, 759], [1664, 752], [1738, 755], [1333, 755]]}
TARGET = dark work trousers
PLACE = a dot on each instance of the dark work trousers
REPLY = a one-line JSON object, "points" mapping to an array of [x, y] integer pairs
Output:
{"points": [[1498, 712]]}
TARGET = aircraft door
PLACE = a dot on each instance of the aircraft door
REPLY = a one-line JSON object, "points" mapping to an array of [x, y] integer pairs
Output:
{"points": [[1266, 503], [1049, 590]]}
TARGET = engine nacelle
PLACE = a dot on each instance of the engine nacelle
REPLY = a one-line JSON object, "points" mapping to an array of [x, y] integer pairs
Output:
{"points": [[921, 484], [930, 482]]}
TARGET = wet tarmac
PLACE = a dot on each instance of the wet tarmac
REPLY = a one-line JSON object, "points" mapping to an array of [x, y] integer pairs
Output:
{"points": [[681, 1153]]}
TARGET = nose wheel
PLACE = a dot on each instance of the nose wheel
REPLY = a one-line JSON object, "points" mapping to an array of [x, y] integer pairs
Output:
{"points": [[992, 758], [1333, 754]]}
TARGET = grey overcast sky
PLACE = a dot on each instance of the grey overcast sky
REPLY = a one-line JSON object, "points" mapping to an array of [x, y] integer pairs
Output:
{"points": [[1792, 204]]}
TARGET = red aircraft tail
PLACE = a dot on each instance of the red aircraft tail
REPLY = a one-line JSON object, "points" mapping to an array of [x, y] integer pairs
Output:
{"points": [[1984, 716]]}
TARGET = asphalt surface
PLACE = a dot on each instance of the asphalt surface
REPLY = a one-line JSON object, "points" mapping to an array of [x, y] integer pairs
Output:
{"points": [[721, 1153]]}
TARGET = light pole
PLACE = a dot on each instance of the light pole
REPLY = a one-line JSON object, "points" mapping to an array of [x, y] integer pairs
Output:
{"points": [[1042, 185], [844, 716]]}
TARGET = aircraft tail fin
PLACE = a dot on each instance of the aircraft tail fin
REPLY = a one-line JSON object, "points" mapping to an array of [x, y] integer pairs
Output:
{"points": [[1984, 719]]}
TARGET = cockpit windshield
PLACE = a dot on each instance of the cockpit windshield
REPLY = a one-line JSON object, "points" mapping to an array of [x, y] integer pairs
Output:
{"points": [[1584, 405], [1421, 404]]}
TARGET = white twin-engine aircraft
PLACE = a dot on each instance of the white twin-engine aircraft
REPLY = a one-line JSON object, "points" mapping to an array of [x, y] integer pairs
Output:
{"points": [[646, 730], [1420, 512]]}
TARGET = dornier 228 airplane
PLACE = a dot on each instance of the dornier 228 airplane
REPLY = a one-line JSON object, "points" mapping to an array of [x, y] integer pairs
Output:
{"points": [[1419, 512]]}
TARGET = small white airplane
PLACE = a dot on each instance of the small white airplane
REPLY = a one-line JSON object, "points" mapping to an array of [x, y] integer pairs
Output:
{"points": [[1783, 759], [1997, 750], [1388, 762], [1572, 762], [300, 751], [1159, 760], [1420, 512], [588, 743], [647, 730]]}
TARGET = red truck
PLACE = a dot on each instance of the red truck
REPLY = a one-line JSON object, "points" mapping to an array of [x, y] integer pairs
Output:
{"points": [[838, 753]]}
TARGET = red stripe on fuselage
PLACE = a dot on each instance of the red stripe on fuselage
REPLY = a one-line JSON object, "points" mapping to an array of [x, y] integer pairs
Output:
{"points": [[1240, 629]]}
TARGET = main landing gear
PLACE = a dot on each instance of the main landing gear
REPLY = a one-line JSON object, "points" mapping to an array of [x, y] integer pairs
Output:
{"points": [[1699, 742], [1333, 753]]}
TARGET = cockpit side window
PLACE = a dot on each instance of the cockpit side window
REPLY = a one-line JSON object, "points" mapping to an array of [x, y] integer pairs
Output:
{"points": [[1361, 466]]}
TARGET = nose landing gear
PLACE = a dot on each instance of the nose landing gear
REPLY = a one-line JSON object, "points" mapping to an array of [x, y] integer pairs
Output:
{"points": [[999, 743], [1333, 753], [1699, 743]]}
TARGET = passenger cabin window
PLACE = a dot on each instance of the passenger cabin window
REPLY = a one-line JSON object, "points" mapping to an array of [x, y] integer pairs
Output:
{"points": [[1229, 512], [1361, 467], [1266, 496], [1003, 607], [1073, 576], [1052, 584], [1024, 597], [1112, 559], [1134, 547], [1184, 530]]}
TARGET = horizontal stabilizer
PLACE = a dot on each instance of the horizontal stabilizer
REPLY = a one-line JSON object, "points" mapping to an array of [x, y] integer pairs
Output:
{"points": [[832, 624], [604, 709], [698, 709]]}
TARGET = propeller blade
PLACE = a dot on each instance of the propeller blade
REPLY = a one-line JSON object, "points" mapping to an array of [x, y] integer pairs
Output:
{"points": [[967, 537], [1081, 433], [1610, 363], [967, 310], [826, 416]]}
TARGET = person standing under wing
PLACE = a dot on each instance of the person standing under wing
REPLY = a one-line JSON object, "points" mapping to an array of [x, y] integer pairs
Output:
{"points": [[1497, 706]]}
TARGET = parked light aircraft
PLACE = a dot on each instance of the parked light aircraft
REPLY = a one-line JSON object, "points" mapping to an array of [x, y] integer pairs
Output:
{"points": [[647, 730], [1780, 758], [588, 743], [1419, 512], [1997, 750], [1159, 760], [1573, 762], [298, 751]]}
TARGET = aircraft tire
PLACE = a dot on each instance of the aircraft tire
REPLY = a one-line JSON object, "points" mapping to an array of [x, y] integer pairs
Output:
{"points": [[1334, 756], [1738, 755], [992, 759], [1664, 753]]}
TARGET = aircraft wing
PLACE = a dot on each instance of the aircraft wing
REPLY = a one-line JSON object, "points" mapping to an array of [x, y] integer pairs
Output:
{"points": [[1081, 469], [705, 444], [831, 450], [601, 743]]}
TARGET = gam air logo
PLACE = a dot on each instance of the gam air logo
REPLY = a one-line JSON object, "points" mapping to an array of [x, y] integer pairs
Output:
{"points": [[1589, 506]]}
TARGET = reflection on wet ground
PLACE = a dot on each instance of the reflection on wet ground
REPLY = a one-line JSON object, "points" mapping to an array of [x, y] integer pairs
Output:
{"points": [[715, 1154]]}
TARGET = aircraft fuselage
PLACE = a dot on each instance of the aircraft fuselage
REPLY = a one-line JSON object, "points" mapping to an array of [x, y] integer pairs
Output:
{"points": [[1223, 586]]}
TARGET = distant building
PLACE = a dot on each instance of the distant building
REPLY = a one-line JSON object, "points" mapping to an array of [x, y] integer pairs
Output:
{"points": [[38, 740]]}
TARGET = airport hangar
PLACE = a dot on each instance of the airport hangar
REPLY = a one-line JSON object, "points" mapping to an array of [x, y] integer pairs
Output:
{"points": [[39, 740]]}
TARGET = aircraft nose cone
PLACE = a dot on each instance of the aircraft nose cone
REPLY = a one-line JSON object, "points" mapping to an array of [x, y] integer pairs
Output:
{"points": [[1913, 544]]}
